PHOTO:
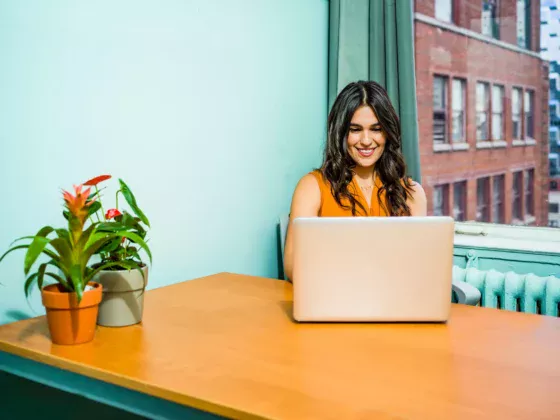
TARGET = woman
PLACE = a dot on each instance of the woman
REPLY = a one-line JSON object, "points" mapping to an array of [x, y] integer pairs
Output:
{"points": [[363, 171]]}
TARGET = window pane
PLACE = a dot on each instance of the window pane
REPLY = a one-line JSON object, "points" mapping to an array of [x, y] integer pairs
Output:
{"points": [[528, 189], [481, 97], [440, 112], [444, 10], [498, 199], [458, 107], [439, 92], [516, 196], [516, 113], [521, 24], [457, 95], [497, 98], [482, 200], [459, 201]]}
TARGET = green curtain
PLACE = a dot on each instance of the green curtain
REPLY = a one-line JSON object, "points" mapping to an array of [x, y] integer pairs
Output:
{"points": [[364, 44]]}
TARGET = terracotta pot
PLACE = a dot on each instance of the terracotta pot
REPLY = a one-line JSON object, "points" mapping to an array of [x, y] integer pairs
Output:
{"points": [[123, 297], [70, 322]]}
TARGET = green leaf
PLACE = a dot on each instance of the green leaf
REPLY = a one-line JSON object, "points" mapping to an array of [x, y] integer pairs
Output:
{"points": [[41, 275], [13, 249], [62, 246], [138, 240], [110, 227], [66, 214], [36, 247], [95, 243], [76, 277], [28, 283], [94, 208], [131, 200], [84, 237]]}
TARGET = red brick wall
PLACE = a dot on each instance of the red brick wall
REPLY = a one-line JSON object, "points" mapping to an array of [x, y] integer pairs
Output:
{"points": [[443, 52], [468, 13]]}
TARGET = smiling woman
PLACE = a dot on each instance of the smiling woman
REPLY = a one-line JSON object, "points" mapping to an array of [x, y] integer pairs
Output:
{"points": [[363, 171]]}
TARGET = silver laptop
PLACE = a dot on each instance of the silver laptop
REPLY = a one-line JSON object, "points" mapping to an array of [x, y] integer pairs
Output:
{"points": [[368, 269]]}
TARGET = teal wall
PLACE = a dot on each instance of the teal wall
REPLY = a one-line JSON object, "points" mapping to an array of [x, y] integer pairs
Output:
{"points": [[210, 110]]}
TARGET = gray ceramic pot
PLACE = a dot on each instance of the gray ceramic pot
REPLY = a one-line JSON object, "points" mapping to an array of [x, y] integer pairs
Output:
{"points": [[123, 297]]}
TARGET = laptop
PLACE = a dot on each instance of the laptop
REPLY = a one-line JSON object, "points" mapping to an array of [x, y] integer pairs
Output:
{"points": [[372, 269]]}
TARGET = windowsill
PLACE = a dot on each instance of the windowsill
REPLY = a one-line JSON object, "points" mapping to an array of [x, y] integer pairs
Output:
{"points": [[522, 143], [448, 147], [508, 237], [442, 147], [527, 221], [496, 144], [460, 146]]}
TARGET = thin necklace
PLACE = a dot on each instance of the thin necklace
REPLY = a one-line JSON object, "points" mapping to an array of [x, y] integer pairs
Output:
{"points": [[368, 187]]}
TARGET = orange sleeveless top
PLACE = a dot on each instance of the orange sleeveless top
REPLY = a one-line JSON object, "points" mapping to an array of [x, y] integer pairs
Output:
{"points": [[330, 208]]}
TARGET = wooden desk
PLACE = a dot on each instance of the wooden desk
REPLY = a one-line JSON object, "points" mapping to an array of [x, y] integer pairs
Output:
{"points": [[226, 344]]}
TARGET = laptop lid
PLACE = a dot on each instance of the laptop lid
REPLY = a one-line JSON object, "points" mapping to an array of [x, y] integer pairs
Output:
{"points": [[372, 269]]}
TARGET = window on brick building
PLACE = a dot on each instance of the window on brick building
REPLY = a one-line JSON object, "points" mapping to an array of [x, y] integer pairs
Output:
{"points": [[498, 198], [483, 199], [441, 199], [458, 111], [460, 201], [440, 111], [489, 22], [516, 196], [516, 113], [523, 17], [444, 10], [528, 189], [528, 104], [482, 111], [497, 112]]}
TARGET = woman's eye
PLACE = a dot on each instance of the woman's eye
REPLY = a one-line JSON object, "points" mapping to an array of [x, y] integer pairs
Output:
{"points": [[354, 130], [376, 130]]}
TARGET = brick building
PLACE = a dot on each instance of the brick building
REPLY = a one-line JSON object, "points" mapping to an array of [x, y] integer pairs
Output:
{"points": [[483, 109]]}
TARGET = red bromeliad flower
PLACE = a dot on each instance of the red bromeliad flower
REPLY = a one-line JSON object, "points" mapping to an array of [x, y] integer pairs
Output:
{"points": [[112, 213], [77, 204], [94, 181]]}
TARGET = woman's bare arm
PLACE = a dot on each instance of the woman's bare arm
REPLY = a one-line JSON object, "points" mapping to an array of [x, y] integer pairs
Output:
{"points": [[306, 202]]}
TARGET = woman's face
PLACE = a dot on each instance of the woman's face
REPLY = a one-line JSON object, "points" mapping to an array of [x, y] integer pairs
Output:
{"points": [[366, 139]]}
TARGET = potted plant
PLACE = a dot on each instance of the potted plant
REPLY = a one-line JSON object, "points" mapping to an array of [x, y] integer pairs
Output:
{"points": [[72, 301], [121, 271]]}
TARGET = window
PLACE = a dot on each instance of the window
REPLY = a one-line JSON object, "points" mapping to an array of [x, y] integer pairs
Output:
{"points": [[440, 103], [444, 10], [498, 199], [523, 23], [529, 115], [483, 200], [553, 207], [489, 24], [528, 189], [516, 113], [516, 209], [482, 104], [460, 201], [458, 110], [441, 200], [497, 113]]}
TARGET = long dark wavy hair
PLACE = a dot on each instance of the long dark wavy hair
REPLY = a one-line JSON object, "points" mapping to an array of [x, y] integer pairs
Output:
{"points": [[390, 168]]}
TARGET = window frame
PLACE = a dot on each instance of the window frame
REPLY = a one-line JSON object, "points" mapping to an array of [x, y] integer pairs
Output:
{"points": [[519, 114], [444, 110], [486, 112], [498, 200], [463, 200], [517, 196], [483, 209], [463, 88], [501, 114]]}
